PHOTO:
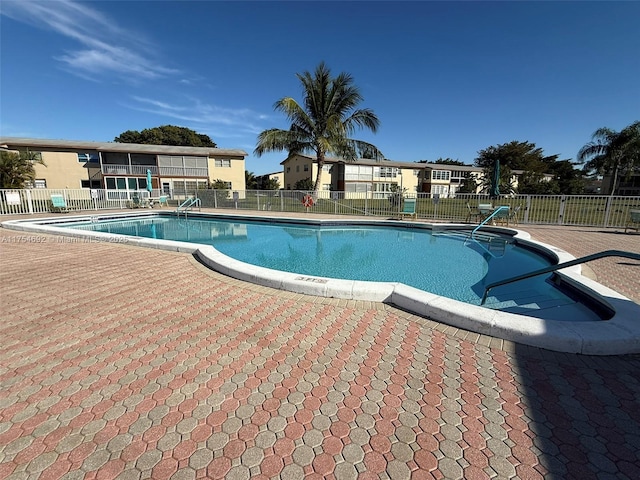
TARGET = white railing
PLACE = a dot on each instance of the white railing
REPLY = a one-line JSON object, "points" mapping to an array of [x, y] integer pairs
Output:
{"points": [[128, 169], [183, 172], [38, 200], [585, 210]]}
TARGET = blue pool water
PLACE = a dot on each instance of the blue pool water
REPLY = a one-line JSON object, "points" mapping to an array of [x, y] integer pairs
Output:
{"points": [[445, 264]]}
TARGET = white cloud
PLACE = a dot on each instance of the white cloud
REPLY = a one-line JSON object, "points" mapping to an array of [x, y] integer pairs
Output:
{"points": [[228, 122], [104, 47]]}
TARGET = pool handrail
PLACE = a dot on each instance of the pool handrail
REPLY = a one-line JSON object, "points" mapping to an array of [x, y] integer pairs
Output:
{"points": [[559, 266], [187, 204], [495, 211]]}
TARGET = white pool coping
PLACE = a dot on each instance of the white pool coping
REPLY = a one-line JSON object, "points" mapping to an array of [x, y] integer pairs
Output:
{"points": [[616, 336]]}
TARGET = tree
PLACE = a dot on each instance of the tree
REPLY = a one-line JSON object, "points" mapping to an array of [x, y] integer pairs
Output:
{"points": [[469, 185], [250, 180], [324, 122], [166, 135], [17, 169], [270, 184], [612, 153], [444, 161], [532, 160], [221, 189], [306, 184]]}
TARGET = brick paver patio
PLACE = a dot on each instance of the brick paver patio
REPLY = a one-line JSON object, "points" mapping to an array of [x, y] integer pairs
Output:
{"points": [[124, 362]]}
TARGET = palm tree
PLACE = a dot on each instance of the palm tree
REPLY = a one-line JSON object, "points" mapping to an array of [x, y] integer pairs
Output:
{"points": [[250, 180], [17, 168], [613, 152], [324, 122]]}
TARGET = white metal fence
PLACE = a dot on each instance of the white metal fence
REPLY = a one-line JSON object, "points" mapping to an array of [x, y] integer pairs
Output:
{"points": [[593, 210]]}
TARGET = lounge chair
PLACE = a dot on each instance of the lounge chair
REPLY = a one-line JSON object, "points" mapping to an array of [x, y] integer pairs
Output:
{"points": [[472, 213], [634, 221], [163, 200], [503, 214], [485, 210], [408, 208], [513, 216], [59, 204], [136, 201]]}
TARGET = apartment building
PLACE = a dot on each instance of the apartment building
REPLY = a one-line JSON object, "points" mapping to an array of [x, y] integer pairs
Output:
{"points": [[379, 178], [122, 168]]}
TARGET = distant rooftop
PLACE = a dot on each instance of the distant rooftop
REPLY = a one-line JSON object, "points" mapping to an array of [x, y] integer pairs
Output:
{"points": [[13, 142]]}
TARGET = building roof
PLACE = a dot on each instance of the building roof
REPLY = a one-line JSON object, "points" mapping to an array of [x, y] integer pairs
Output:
{"points": [[394, 164], [10, 142]]}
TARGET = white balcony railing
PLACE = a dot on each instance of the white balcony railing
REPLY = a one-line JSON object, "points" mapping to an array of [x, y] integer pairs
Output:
{"points": [[128, 169], [142, 170]]}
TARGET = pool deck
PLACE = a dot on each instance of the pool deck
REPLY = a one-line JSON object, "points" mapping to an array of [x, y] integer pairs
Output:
{"points": [[124, 362]]}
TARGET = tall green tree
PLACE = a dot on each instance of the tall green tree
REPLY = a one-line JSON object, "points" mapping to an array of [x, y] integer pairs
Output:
{"points": [[17, 169], [613, 153], [306, 185], [531, 159], [166, 135], [250, 180], [324, 122], [270, 184]]}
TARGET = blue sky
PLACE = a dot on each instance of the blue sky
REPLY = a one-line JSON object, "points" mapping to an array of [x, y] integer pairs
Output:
{"points": [[446, 79]]}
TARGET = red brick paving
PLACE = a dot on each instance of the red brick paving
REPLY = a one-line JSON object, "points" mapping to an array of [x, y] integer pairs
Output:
{"points": [[106, 371]]}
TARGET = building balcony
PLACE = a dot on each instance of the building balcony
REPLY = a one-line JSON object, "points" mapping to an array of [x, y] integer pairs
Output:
{"points": [[141, 170]]}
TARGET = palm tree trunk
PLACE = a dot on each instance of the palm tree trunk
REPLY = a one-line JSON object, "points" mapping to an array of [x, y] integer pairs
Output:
{"points": [[318, 184]]}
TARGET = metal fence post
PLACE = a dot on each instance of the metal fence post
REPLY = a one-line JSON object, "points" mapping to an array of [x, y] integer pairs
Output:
{"points": [[561, 212], [29, 202], [527, 208], [607, 211]]}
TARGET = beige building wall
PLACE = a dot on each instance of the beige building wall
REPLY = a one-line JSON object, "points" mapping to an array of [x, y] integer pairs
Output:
{"points": [[408, 180], [62, 170], [297, 168], [279, 176], [233, 173]]}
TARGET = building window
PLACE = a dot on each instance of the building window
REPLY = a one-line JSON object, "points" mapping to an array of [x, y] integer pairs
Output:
{"points": [[385, 172], [297, 168], [358, 172], [223, 162], [442, 190], [121, 183], [384, 187], [88, 157], [357, 187], [306, 167], [91, 184], [440, 175], [39, 183], [288, 169]]}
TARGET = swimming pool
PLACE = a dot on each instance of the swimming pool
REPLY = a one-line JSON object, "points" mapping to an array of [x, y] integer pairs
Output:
{"points": [[445, 263], [529, 320]]}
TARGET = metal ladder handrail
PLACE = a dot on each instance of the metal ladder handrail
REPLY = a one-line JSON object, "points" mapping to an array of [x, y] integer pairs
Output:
{"points": [[187, 204], [559, 266], [497, 210]]}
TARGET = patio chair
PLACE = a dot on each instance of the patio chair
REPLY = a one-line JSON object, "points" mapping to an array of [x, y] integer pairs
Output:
{"points": [[59, 204], [634, 221], [163, 200], [472, 213], [408, 208], [502, 214], [513, 216], [485, 210], [136, 201]]}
